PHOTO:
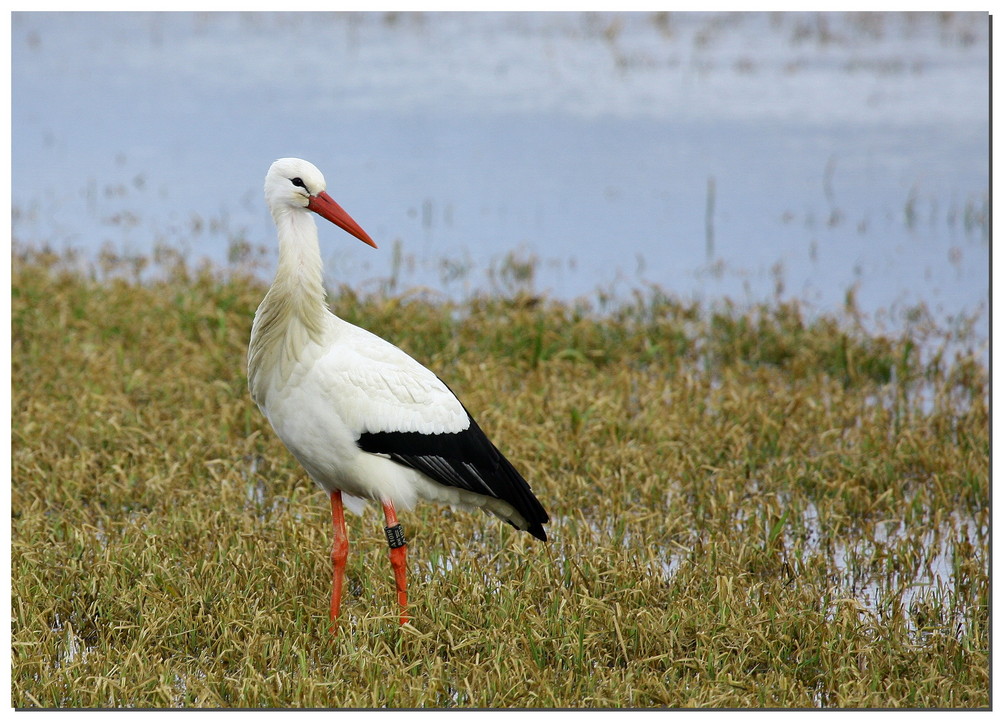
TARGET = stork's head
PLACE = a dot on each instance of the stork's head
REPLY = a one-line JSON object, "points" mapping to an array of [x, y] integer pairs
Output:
{"points": [[293, 184]]}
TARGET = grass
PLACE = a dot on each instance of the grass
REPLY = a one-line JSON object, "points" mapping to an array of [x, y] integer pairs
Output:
{"points": [[749, 509]]}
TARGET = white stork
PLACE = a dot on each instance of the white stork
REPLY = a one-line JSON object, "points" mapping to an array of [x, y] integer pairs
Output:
{"points": [[366, 420]]}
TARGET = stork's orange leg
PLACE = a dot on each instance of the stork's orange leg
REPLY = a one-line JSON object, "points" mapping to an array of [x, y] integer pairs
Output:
{"points": [[339, 556], [397, 557]]}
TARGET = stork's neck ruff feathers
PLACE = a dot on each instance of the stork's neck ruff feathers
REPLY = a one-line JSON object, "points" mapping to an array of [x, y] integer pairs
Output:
{"points": [[293, 313], [300, 266]]}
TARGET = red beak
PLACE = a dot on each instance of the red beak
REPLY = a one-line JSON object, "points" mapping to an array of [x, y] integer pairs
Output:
{"points": [[324, 206]]}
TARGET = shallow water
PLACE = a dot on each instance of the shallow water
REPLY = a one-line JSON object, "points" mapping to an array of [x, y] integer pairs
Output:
{"points": [[749, 156]]}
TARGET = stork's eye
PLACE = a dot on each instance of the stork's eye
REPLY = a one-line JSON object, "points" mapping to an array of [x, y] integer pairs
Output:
{"points": [[299, 183]]}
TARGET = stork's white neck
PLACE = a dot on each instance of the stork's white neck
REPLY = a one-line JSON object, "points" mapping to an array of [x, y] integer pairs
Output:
{"points": [[293, 314], [300, 266]]}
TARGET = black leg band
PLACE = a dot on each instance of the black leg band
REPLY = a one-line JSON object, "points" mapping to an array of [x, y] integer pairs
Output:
{"points": [[395, 536]]}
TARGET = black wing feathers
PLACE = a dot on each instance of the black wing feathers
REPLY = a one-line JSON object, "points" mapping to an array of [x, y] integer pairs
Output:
{"points": [[467, 460]]}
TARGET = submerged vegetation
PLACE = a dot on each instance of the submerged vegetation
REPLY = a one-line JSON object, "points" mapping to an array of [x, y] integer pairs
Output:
{"points": [[749, 507]]}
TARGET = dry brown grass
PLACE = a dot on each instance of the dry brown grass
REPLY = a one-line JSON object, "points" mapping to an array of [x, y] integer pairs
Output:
{"points": [[749, 510]]}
